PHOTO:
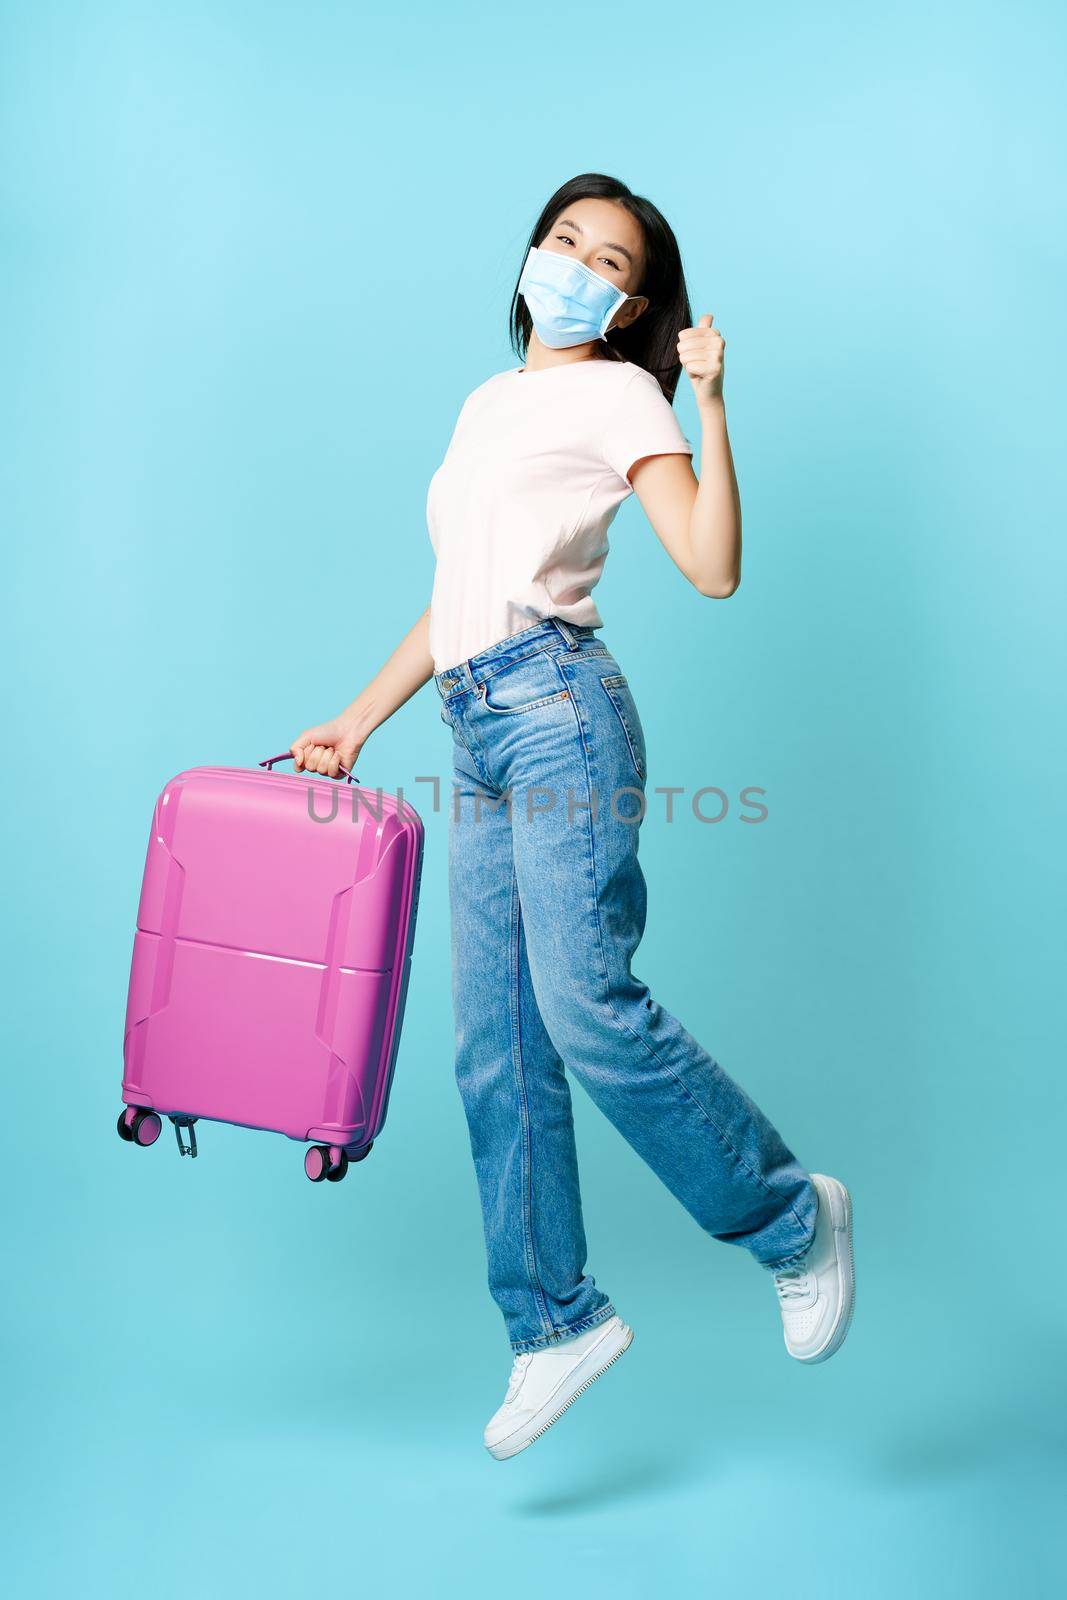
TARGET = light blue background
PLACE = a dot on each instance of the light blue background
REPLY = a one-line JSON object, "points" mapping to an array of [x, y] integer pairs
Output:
{"points": [[254, 257]]}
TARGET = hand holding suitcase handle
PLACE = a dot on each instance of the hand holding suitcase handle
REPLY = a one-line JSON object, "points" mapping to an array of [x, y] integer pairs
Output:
{"points": [[287, 755]]}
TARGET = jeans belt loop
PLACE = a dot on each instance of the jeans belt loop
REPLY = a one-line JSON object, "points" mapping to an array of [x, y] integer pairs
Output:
{"points": [[572, 643]]}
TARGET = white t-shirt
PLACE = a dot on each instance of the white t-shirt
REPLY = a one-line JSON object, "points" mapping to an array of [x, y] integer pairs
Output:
{"points": [[519, 509]]}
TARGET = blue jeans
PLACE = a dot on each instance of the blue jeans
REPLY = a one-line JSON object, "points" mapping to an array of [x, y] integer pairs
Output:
{"points": [[548, 906]]}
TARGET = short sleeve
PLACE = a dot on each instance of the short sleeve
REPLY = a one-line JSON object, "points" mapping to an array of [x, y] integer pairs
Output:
{"points": [[463, 413], [468, 409], [642, 424]]}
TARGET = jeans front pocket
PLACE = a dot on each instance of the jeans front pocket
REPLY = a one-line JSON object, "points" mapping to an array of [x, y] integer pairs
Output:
{"points": [[524, 686], [618, 692]]}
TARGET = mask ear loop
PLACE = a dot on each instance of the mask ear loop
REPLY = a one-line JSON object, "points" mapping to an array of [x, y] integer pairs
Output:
{"points": [[606, 325]]}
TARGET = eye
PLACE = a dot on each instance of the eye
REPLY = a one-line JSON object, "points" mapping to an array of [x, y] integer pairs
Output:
{"points": [[565, 236]]}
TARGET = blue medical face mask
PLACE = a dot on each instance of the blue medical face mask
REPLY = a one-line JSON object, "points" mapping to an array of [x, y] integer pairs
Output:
{"points": [[568, 301]]}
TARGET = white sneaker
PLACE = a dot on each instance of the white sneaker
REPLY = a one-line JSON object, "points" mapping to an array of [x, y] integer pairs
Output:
{"points": [[816, 1296], [544, 1382]]}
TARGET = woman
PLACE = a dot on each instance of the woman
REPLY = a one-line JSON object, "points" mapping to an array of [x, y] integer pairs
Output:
{"points": [[547, 897]]}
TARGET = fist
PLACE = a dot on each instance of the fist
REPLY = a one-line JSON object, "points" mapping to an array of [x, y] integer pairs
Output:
{"points": [[701, 350], [326, 746]]}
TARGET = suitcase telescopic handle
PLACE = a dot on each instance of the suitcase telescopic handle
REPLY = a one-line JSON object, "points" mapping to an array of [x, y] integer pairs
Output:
{"points": [[287, 755]]}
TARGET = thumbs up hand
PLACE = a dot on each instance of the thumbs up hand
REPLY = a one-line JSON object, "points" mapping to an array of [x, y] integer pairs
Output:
{"points": [[701, 350]]}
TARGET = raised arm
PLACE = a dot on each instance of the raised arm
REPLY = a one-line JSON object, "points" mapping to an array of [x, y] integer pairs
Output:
{"points": [[698, 522], [328, 745]]}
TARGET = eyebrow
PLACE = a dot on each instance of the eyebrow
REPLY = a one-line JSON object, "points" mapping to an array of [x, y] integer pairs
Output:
{"points": [[621, 248]]}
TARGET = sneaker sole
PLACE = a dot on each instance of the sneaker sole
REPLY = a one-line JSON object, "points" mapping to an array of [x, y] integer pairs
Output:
{"points": [[847, 1278], [508, 1447]]}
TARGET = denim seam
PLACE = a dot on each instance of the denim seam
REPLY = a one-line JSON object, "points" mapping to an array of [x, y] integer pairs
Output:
{"points": [[607, 684], [471, 743], [559, 1334], [524, 1110], [623, 1025]]}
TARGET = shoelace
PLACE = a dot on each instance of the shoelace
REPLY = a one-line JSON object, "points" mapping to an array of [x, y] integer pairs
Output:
{"points": [[793, 1284], [518, 1368]]}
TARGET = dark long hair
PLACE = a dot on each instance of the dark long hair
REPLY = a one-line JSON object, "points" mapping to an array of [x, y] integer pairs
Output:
{"points": [[652, 340]]}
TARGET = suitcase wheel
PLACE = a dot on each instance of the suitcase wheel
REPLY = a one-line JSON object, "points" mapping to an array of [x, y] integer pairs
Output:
{"points": [[143, 1128], [319, 1165], [336, 1173]]}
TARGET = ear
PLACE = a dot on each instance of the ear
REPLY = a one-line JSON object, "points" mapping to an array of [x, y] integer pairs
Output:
{"points": [[629, 311]]}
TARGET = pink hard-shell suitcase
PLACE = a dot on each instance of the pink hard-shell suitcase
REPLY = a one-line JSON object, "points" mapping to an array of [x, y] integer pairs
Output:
{"points": [[271, 960]]}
